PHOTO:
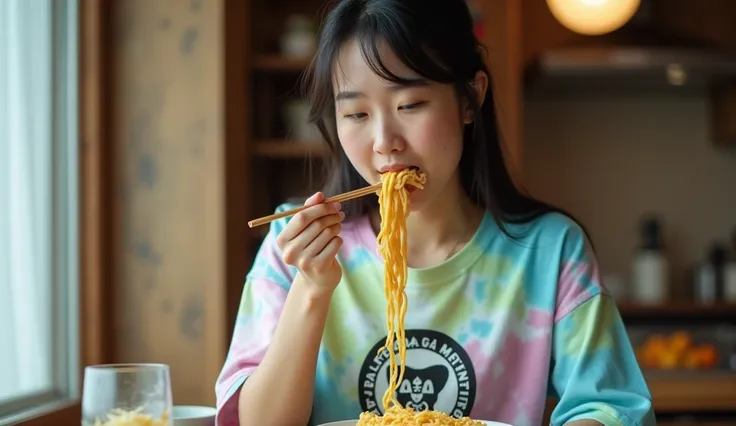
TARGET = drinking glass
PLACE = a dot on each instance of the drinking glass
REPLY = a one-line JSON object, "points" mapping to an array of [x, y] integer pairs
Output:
{"points": [[129, 394]]}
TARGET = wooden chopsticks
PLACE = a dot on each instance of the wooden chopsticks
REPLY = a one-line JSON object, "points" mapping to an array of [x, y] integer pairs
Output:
{"points": [[373, 189]]}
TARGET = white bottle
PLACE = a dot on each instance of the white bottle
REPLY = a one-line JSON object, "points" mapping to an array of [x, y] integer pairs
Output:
{"points": [[650, 269]]}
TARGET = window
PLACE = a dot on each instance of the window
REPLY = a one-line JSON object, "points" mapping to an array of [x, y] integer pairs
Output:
{"points": [[39, 255]]}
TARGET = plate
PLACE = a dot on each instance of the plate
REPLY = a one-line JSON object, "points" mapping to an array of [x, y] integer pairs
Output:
{"points": [[354, 422]]}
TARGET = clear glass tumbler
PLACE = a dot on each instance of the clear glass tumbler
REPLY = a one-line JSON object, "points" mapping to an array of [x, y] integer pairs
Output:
{"points": [[127, 394]]}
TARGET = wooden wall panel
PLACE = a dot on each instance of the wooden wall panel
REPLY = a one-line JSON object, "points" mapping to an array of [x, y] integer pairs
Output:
{"points": [[503, 39], [238, 173], [168, 133], [94, 185]]}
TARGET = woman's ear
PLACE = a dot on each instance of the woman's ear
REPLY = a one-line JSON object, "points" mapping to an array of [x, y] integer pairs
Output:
{"points": [[479, 85]]}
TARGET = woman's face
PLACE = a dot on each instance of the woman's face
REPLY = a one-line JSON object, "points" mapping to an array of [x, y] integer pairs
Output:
{"points": [[383, 126]]}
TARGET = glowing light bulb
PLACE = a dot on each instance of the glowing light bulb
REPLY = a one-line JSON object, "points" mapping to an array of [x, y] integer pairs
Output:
{"points": [[593, 17]]}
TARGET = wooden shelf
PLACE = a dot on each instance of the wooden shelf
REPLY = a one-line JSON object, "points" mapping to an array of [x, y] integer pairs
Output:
{"points": [[279, 63], [700, 392], [687, 393], [695, 394], [278, 148], [680, 310]]}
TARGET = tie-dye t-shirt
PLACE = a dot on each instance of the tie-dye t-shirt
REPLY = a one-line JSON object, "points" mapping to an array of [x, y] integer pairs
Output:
{"points": [[491, 333]]}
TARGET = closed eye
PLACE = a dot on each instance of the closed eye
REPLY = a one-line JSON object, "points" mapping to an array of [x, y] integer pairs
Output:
{"points": [[415, 105], [358, 116]]}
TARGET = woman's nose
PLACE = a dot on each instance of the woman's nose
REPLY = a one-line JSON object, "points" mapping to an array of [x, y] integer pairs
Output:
{"points": [[386, 139]]}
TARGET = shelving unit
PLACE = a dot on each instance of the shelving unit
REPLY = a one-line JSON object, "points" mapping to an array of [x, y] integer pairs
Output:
{"points": [[679, 310], [697, 390], [278, 64], [283, 149], [280, 167]]}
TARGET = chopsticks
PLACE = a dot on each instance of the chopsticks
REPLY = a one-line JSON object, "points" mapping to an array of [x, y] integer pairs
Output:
{"points": [[373, 189]]}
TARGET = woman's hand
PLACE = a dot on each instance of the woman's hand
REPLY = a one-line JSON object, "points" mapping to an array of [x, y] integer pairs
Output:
{"points": [[310, 242]]}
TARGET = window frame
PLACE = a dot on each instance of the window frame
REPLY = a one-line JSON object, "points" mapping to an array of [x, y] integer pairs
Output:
{"points": [[64, 285], [90, 300]]}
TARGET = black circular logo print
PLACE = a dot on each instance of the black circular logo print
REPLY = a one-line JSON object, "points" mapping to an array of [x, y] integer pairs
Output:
{"points": [[439, 375]]}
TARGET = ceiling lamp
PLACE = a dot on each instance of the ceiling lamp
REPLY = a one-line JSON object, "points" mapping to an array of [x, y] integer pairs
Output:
{"points": [[593, 17]]}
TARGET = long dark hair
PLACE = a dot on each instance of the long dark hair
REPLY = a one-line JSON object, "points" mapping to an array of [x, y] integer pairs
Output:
{"points": [[435, 39]]}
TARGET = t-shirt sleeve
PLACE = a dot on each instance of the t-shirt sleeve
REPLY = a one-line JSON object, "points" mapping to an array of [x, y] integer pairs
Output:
{"points": [[261, 303], [595, 373]]}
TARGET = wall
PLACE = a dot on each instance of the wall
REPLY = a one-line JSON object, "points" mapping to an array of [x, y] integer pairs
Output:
{"points": [[610, 160], [168, 137]]}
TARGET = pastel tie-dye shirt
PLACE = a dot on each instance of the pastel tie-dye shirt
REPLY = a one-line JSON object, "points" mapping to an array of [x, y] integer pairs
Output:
{"points": [[491, 332]]}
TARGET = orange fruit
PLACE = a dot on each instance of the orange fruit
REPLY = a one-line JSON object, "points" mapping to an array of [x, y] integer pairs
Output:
{"points": [[680, 340], [691, 360], [707, 355], [669, 360]]}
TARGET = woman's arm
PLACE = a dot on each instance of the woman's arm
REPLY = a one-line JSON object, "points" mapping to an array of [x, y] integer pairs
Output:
{"points": [[287, 371], [283, 309], [594, 370]]}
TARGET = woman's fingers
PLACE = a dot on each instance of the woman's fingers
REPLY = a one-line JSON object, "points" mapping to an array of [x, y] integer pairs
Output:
{"points": [[318, 243], [326, 257], [316, 198], [300, 221], [310, 241], [295, 248]]}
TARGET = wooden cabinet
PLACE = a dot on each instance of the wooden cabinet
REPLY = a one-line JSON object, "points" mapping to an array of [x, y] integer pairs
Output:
{"points": [[694, 393], [723, 115], [706, 20], [279, 166]]}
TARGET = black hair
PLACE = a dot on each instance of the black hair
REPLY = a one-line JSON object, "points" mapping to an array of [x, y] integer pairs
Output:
{"points": [[435, 39]]}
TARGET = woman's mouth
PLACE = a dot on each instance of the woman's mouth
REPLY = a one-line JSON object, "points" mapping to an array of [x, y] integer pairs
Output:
{"points": [[397, 167]]}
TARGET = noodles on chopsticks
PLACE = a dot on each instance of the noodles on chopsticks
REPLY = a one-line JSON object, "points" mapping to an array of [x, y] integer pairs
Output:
{"points": [[392, 242]]}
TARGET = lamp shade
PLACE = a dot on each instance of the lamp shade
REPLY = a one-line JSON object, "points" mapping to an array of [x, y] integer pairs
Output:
{"points": [[593, 17]]}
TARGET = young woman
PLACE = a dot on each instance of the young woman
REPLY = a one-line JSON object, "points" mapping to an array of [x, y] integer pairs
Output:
{"points": [[505, 306]]}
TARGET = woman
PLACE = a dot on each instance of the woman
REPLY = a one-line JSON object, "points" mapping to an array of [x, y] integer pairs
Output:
{"points": [[505, 301]]}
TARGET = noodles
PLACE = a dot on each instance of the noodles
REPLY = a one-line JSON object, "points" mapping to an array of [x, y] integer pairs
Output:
{"points": [[394, 208], [397, 416], [118, 417]]}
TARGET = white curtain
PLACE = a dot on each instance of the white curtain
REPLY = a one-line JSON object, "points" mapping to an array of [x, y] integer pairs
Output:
{"points": [[26, 190]]}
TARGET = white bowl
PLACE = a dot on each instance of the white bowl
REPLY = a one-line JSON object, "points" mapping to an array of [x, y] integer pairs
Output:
{"points": [[355, 422], [193, 415]]}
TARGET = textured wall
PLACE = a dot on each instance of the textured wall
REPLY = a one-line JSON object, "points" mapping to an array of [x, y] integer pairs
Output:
{"points": [[610, 160], [168, 135]]}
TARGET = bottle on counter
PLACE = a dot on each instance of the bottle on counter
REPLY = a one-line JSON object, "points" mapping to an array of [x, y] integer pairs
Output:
{"points": [[729, 275], [650, 268], [709, 277]]}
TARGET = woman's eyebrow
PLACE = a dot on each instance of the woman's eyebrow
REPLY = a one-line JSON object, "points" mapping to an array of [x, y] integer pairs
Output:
{"points": [[407, 84]]}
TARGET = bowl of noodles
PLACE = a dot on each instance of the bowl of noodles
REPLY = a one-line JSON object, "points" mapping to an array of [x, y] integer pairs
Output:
{"points": [[400, 416], [478, 422], [453, 422]]}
